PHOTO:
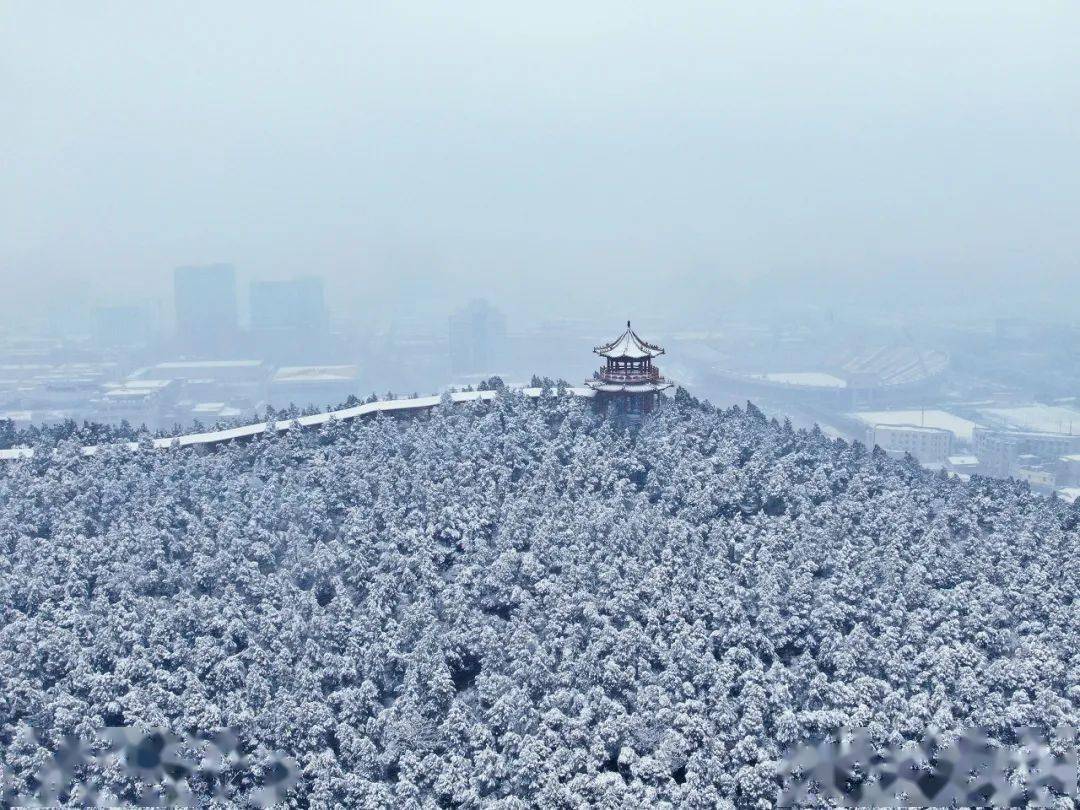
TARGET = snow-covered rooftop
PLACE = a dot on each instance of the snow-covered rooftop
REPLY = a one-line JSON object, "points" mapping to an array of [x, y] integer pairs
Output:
{"points": [[807, 379], [629, 346], [134, 389], [964, 461], [313, 374], [128, 393], [1036, 417], [910, 427], [188, 364], [139, 385]]}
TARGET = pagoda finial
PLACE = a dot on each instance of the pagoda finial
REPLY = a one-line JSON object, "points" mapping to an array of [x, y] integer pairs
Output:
{"points": [[627, 323]]}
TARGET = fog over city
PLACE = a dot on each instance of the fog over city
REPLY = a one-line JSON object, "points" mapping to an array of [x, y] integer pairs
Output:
{"points": [[563, 160], [402, 198]]}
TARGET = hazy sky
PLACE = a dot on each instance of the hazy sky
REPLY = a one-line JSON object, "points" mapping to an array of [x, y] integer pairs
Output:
{"points": [[561, 155]]}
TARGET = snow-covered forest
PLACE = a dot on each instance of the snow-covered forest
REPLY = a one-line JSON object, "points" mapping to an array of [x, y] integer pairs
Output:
{"points": [[520, 603]]}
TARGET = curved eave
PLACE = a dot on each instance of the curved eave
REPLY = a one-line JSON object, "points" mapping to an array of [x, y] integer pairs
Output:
{"points": [[616, 388], [639, 355], [628, 346]]}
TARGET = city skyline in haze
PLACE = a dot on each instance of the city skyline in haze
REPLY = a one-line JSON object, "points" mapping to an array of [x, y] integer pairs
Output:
{"points": [[555, 161]]}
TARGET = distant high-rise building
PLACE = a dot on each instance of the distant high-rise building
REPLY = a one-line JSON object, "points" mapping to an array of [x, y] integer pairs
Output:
{"points": [[294, 304], [477, 339], [205, 297]]}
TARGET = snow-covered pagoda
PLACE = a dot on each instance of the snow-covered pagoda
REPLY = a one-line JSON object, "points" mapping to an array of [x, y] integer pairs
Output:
{"points": [[628, 382]]}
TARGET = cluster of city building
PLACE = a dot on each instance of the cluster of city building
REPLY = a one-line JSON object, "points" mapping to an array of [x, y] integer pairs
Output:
{"points": [[1010, 442], [168, 393], [997, 402], [201, 363]]}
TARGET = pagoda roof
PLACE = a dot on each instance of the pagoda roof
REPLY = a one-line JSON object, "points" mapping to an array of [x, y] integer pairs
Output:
{"points": [[627, 388], [630, 346]]}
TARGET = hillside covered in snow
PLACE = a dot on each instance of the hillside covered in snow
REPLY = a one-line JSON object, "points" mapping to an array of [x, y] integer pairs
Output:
{"points": [[519, 603]]}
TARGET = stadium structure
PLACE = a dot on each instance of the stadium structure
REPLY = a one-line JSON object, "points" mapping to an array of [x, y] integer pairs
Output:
{"points": [[881, 375]]}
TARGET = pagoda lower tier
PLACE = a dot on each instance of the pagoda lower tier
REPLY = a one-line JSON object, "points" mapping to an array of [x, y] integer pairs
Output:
{"points": [[627, 388]]}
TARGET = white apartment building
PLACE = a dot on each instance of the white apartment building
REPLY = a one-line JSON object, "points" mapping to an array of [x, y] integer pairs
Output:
{"points": [[929, 445]]}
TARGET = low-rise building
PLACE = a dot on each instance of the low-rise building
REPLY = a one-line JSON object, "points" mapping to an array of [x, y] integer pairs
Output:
{"points": [[1069, 469], [965, 465], [24, 419], [140, 402], [238, 382], [1000, 451], [313, 385], [1038, 478], [208, 413], [66, 386], [927, 444]]}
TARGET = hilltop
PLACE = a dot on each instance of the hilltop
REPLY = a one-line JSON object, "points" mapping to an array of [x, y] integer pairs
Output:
{"points": [[519, 602]]}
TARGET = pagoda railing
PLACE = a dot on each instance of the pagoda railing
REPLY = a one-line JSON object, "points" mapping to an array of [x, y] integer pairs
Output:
{"points": [[651, 375]]}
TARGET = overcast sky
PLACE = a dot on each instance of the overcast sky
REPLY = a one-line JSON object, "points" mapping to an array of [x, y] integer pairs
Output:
{"points": [[560, 156]]}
